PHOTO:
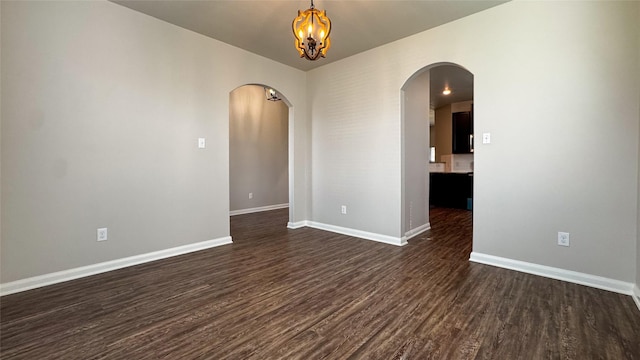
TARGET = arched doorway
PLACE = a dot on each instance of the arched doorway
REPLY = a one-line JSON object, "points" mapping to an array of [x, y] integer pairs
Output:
{"points": [[260, 166], [428, 145]]}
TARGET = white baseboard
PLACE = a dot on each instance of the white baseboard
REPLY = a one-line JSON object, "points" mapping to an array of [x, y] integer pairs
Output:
{"points": [[358, 233], [595, 281], [636, 295], [351, 232], [297, 224], [76, 273], [416, 231], [258, 209]]}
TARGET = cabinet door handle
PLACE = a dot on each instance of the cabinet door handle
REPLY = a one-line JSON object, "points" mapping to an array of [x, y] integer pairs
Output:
{"points": [[471, 142]]}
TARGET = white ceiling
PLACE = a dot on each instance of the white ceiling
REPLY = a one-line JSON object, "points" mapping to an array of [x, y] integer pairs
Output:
{"points": [[457, 79], [264, 28]]}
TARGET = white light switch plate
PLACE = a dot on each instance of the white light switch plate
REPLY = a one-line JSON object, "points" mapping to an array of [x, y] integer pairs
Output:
{"points": [[201, 143], [486, 138]]}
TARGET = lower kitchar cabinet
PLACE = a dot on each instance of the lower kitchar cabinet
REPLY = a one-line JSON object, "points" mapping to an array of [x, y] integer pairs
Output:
{"points": [[451, 190]]}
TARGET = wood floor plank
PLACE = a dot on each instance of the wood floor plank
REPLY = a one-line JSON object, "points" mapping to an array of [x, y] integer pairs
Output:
{"points": [[277, 293]]}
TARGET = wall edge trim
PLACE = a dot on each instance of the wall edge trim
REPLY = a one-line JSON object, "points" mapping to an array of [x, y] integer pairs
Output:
{"points": [[416, 231], [386, 239], [575, 277], [636, 295], [258, 209], [94, 269], [297, 224]]}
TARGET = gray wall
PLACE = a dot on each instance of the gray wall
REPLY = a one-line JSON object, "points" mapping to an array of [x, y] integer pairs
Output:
{"points": [[551, 84], [1, 200], [416, 152], [101, 110], [102, 106], [258, 146], [638, 220]]}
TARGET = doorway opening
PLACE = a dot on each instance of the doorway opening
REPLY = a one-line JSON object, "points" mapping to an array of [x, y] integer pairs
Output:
{"points": [[259, 148], [437, 146]]}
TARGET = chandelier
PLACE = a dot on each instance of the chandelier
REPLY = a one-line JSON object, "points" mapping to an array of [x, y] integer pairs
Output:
{"points": [[311, 28], [271, 94]]}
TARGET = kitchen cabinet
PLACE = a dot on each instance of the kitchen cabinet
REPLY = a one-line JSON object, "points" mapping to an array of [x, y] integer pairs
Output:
{"points": [[451, 190], [462, 131]]}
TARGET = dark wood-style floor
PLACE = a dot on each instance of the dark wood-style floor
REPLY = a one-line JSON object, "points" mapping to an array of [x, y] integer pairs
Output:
{"points": [[308, 294]]}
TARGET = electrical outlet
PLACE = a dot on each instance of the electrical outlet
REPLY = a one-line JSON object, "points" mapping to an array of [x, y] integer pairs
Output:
{"points": [[343, 209], [102, 234], [563, 238], [250, 195]]}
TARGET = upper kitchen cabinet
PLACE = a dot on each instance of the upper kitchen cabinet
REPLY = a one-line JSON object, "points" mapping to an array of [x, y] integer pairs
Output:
{"points": [[462, 131]]}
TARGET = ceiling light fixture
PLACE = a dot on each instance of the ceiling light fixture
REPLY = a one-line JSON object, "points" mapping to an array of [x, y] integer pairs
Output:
{"points": [[311, 29], [271, 94], [446, 91]]}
